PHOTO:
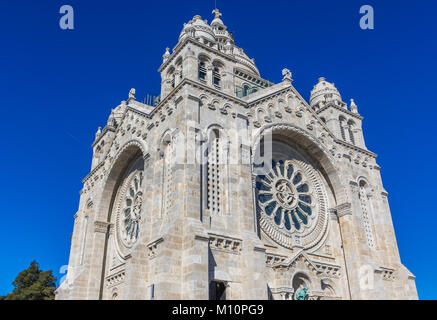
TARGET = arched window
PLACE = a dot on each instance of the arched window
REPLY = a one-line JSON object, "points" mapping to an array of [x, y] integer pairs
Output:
{"points": [[218, 66], [246, 90], [168, 155], [216, 76], [213, 173], [202, 70], [342, 125], [351, 125], [171, 76], [179, 68], [365, 208]]}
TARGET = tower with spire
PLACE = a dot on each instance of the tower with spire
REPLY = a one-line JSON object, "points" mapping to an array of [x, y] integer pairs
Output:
{"points": [[229, 186]]}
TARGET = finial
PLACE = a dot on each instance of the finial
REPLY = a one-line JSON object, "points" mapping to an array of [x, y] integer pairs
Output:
{"points": [[99, 132], [321, 79], [287, 75], [216, 13], [131, 95]]}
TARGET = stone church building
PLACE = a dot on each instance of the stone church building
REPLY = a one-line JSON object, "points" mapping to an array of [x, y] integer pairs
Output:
{"points": [[229, 186]]}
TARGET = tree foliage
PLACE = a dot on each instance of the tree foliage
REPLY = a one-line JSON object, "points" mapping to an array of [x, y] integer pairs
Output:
{"points": [[33, 284]]}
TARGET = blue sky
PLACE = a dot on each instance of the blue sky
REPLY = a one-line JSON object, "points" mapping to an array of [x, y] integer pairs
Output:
{"points": [[57, 87]]}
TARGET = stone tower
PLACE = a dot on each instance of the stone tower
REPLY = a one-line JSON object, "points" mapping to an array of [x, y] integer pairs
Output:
{"points": [[229, 186]]}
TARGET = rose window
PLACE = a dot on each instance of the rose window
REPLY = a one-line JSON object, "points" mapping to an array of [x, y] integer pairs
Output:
{"points": [[289, 199], [131, 214]]}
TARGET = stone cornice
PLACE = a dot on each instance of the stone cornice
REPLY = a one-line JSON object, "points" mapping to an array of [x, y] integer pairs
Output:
{"points": [[141, 113], [105, 129], [354, 147], [89, 175], [197, 85], [344, 209], [192, 40], [269, 95], [330, 104], [244, 74], [101, 226]]}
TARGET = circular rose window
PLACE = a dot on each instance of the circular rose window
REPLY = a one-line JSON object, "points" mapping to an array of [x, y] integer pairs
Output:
{"points": [[291, 204], [129, 217]]}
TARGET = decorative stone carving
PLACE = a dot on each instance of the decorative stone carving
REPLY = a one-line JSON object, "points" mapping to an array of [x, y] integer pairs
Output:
{"points": [[128, 209], [290, 201], [153, 247], [131, 95], [225, 243], [286, 75], [115, 279], [344, 209], [101, 226], [273, 259]]}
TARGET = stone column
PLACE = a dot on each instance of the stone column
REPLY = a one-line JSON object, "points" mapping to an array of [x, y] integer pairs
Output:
{"points": [[333, 124], [209, 75], [190, 65], [227, 83], [177, 77], [97, 257], [194, 263], [165, 86], [344, 213]]}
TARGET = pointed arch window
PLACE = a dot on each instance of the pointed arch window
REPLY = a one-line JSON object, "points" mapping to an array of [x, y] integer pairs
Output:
{"points": [[214, 173], [342, 125], [171, 76], [202, 70], [366, 219], [168, 178], [246, 90], [351, 125]]}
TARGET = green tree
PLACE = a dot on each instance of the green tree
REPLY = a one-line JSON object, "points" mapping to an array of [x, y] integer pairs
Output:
{"points": [[33, 284]]}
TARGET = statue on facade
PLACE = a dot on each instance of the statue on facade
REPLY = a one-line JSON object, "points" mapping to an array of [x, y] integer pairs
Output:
{"points": [[302, 294]]}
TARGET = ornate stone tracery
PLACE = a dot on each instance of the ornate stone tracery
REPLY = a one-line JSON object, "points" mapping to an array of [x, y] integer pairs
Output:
{"points": [[291, 204], [132, 211], [128, 209]]}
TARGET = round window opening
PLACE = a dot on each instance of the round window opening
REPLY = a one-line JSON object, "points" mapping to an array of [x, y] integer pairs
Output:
{"points": [[131, 210], [291, 203]]}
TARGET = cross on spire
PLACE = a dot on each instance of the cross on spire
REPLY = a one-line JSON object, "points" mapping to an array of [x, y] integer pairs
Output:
{"points": [[216, 13]]}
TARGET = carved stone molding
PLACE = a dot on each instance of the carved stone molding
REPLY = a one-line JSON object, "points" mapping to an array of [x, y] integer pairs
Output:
{"points": [[273, 259], [115, 279], [344, 209], [225, 243], [328, 270], [152, 247], [387, 274], [101, 226]]}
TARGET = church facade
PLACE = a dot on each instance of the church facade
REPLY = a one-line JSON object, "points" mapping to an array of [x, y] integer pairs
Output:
{"points": [[232, 187]]}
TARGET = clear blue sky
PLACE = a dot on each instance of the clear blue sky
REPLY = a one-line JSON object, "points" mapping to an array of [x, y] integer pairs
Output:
{"points": [[57, 87]]}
